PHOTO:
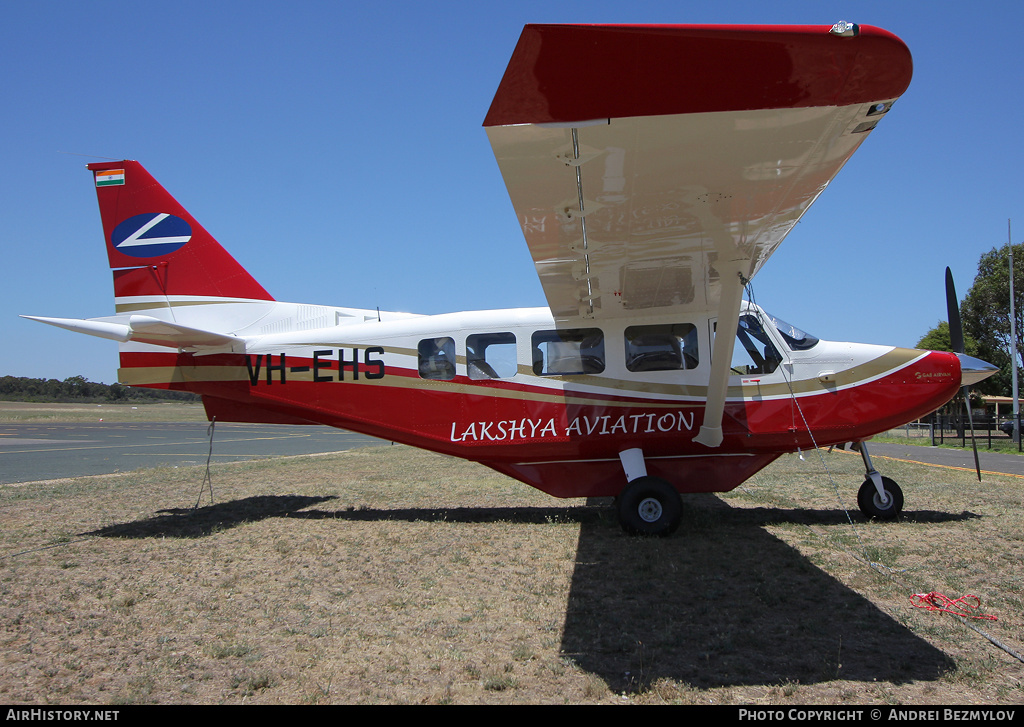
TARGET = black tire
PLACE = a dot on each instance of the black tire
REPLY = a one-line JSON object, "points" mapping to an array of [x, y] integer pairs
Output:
{"points": [[871, 504], [650, 506]]}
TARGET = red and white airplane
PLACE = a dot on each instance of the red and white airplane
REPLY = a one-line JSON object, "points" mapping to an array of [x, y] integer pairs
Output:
{"points": [[654, 170]]}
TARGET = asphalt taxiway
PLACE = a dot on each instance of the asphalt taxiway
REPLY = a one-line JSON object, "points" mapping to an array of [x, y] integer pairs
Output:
{"points": [[35, 451], [39, 451], [963, 459]]}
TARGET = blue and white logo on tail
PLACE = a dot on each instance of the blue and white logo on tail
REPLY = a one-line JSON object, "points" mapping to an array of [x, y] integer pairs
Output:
{"points": [[151, 235]]}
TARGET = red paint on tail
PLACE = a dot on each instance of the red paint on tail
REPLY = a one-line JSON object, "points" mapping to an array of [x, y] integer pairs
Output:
{"points": [[156, 247]]}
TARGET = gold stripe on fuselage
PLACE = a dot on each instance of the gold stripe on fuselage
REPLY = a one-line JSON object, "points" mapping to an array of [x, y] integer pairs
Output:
{"points": [[681, 395]]}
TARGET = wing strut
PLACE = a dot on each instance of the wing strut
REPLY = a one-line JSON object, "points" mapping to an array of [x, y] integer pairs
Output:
{"points": [[729, 303]]}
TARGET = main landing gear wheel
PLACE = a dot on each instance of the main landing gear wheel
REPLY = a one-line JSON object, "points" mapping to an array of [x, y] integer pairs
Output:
{"points": [[873, 506], [649, 506]]}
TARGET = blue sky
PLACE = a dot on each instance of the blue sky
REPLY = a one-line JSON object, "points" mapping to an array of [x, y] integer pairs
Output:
{"points": [[336, 150]]}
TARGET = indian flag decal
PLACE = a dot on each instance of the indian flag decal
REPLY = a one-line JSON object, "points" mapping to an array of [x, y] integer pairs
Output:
{"points": [[110, 178]]}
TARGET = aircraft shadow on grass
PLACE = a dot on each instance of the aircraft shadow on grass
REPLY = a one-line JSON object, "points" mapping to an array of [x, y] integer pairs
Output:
{"points": [[722, 603], [727, 604], [201, 521]]}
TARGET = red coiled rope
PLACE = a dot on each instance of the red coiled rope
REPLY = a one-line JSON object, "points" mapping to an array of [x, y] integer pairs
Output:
{"points": [[960, 607]]}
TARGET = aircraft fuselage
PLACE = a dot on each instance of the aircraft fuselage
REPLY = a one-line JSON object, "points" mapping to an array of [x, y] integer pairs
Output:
{"points": [[555, 407]]}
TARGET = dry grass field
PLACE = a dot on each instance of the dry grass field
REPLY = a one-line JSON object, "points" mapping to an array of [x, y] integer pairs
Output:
{"points": [[20, 411], [390, 575]]}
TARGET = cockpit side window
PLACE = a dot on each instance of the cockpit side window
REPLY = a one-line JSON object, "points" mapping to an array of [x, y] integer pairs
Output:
{"points": [[754, 352]]}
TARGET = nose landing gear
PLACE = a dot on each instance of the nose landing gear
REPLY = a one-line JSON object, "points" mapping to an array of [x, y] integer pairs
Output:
{"points": [[879, 498]]}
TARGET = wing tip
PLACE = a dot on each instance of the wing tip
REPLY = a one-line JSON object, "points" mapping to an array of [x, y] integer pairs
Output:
{"points": [[615, 75]]}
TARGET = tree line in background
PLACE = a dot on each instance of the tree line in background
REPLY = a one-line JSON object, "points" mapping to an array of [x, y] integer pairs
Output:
{"points": [[80, 389], [985, 313]]}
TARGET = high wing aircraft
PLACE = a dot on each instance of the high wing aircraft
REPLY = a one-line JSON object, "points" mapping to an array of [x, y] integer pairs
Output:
{"points": [[654, 170]]}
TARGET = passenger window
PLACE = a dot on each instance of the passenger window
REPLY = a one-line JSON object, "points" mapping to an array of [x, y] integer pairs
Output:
{"points": [[491, 356], [567, 352], [754, 352], [437, 358], [666, 347]]}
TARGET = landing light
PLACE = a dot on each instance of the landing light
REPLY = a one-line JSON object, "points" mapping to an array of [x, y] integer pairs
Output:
{"points": [[845, 29]]}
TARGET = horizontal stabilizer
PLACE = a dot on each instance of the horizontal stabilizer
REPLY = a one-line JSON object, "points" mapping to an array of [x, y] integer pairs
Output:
{"points": [[146, 329]]}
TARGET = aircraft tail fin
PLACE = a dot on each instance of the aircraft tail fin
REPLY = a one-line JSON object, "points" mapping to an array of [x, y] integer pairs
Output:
{"points": [[155, 247], [185, 311]]}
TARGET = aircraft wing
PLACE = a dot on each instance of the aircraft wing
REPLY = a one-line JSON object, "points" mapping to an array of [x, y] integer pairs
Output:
{"points": [[642, 161]]}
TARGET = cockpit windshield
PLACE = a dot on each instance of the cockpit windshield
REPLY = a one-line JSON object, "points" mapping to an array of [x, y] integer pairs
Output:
{"points": [[796, 339]]}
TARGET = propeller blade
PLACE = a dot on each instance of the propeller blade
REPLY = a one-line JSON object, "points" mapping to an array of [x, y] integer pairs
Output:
{"points": [[956, 329], [956, 340]]}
